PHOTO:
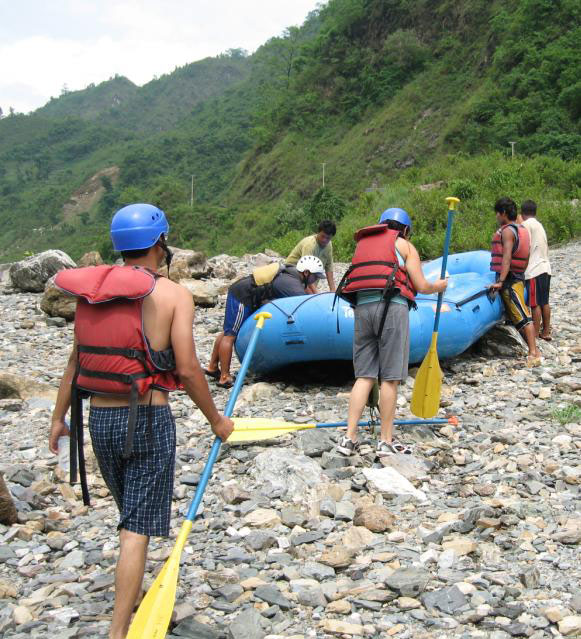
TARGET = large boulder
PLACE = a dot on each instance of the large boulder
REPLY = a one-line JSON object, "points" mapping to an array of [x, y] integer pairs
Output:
{"points": [[8, 514], [92, 258], [56, 303], [16, 385], [226, 267], [33, 273], [204, 293], [5, 274], [188, 265], [291, 473]]}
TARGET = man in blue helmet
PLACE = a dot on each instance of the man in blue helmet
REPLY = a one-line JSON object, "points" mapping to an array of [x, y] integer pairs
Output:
{"points": [[381, 283], [133, 344]]}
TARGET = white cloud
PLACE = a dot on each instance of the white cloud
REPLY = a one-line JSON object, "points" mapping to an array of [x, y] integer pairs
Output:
{"points": [[134, 38]]}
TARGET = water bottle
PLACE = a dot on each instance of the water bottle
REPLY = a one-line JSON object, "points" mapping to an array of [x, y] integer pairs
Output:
{"points": [[64, 452]]}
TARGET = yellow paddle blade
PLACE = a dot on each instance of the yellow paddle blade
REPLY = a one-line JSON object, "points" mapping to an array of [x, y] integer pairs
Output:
{"points": [[154, 614], [428, 385], [249, 429]]}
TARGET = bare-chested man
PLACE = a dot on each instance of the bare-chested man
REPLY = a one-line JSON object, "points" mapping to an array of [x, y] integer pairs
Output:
{"points": [[133, 330]]}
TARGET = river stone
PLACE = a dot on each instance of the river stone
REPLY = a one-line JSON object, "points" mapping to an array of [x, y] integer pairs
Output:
{"points": [[273, 596], [338, 557], [357, 537], [311, 597], [389, 482], [375, 518], [262, 517], [286, 471], [247, 625], [315, 570], [192, 629], [448, 600], [570, 625], [315, 442], [57, 303], [409, 582], [259, 540], [33, 273]]}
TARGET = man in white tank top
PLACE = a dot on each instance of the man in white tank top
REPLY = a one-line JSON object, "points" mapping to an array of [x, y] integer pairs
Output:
{"points": [[538, 273]]}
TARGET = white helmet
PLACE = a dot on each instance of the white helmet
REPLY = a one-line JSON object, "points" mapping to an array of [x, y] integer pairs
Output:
{"points": [[312, 264]]}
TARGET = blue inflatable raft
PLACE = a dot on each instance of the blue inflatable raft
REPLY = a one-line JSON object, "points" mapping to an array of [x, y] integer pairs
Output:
{"points": [[308, 329]]}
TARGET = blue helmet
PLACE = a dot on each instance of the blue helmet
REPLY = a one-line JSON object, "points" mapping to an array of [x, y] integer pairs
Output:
{"points": [[397, 215], [137, 226]]}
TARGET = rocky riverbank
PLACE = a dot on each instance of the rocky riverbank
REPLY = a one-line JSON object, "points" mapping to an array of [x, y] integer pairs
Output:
{"points": [[476, 535]]}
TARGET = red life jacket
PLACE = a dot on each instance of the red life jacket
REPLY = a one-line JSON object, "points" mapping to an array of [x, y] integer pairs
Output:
{"points": [[113, 350], [375, 265], [113, 353], [520, 250]]}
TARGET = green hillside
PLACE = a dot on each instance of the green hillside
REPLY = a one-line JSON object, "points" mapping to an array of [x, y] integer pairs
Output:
{"points": [[388, 95]]}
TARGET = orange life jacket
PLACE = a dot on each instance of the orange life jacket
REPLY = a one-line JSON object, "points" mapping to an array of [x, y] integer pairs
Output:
{"points": [[520, 251]]}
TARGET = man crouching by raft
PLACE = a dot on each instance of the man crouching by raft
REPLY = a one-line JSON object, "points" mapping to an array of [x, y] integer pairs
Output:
{"points": [[382, 281], [133, 344], [510, 256]]}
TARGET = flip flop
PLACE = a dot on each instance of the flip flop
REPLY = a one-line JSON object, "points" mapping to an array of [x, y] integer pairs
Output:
{"points": [[227, 384], [213, 374], [548, 338]]}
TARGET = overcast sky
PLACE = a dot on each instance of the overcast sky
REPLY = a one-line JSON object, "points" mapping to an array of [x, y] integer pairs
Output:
{"points": [[46, 44]]}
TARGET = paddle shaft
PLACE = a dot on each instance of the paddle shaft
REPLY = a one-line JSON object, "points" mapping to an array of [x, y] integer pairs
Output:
{"points": [[444, 264], [193, 509], [397, 422]]}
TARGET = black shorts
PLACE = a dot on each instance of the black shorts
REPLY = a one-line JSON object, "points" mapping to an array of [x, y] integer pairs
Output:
{"points": [[538, 289], [142, 485]]}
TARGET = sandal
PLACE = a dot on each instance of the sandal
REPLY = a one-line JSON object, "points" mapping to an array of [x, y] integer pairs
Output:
{"points": [[547, 338], [227, 384], [213, 374]]}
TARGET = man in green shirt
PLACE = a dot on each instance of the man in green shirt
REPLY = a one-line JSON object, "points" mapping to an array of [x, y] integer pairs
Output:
{"points": [[320, 246]]}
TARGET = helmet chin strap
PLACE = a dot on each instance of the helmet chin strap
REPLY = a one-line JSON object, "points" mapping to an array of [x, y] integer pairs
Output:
{"points": [[168, 253]]}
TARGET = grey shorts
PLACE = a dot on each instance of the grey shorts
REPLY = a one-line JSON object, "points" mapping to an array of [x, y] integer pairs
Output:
{"points": [[386, 359]]}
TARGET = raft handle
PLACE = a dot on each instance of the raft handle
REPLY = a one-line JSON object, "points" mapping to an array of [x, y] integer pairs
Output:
{"points": [[295, 341]]}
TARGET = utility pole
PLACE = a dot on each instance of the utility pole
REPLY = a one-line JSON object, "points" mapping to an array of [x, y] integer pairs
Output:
{"points": [[512, 146], [323, 163], [192, 194]]}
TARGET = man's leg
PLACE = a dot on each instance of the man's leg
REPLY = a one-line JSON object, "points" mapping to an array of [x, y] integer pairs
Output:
{"points": [[387, 401], [225, 354], [357, 400], [215, 357], [128, 580], [528, 333], [546, 315], [536, 311]]}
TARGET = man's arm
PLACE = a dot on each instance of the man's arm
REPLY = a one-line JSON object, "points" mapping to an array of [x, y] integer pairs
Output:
{"points": [[507, 246], [58, 427], [414, 269], [331, 280], [188, 367]]}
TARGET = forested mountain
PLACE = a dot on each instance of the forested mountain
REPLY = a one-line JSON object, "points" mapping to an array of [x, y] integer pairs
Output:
{"points": [[388, 94]]}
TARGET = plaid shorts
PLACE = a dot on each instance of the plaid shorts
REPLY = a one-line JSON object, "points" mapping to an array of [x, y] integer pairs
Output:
{"points": [[142, 485]]}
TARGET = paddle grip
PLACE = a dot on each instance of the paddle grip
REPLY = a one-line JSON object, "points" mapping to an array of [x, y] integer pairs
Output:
{"points": [[193, 509]]}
